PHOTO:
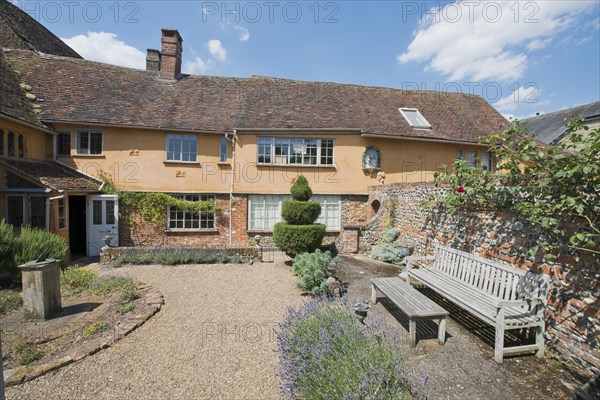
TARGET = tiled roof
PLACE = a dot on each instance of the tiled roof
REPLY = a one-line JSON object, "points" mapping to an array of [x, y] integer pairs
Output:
{"points": [[52, 174], [550, 128], [84, 91], [12, 98], [18, 30]]}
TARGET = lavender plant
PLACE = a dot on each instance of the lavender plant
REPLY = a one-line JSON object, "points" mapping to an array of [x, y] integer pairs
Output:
{"points": [[325, 353]]}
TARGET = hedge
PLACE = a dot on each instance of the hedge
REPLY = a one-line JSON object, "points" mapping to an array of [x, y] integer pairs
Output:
{"points": [[296, 239], [300, 212]]}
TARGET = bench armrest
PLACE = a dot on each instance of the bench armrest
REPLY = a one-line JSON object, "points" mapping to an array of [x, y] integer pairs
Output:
{"points": [[410, 259]]}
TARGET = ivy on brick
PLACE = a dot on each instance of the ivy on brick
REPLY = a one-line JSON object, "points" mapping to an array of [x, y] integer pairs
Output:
{"points": [[151, 206]]}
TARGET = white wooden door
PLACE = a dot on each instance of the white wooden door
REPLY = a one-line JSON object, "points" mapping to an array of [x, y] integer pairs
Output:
{"points": [[102, 221]]}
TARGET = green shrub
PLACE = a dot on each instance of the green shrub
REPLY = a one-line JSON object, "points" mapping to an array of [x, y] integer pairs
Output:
{"points": [[7, 248], [300, 212], [31, 243], [75, 279], [9, 300], [297, 239], [178, 257], [30, 355], [129, 294], [312, 270], [325, 353], [126, 308], [388, 250], [390, 235], [300, 189], [95, 328], [107, 284]]}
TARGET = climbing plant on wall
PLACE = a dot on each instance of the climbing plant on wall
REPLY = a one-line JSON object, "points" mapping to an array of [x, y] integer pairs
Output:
{"points": [[152, 206], [552, 187]]}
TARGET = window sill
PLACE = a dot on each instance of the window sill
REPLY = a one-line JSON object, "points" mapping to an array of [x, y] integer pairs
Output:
{"points": [[191, 231], [224, 164], [88, 155], [181, 162], [297, 166]]}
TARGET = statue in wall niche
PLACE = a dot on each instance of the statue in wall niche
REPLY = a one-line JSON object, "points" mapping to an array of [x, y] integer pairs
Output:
{"points": [[381, 177]]}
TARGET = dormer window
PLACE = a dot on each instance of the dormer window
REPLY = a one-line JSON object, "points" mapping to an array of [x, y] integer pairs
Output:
{"points": [[414, 118]]}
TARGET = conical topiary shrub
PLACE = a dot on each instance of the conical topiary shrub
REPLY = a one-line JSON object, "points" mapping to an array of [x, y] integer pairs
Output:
{"points": [[299, 234]]}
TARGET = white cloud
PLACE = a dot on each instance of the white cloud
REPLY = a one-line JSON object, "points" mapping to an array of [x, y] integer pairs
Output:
{"points": [[244, 33], [196, 66], [537, 44], [216, 49], [523, 95], [106, 47], [481, 40], [584, 40]]}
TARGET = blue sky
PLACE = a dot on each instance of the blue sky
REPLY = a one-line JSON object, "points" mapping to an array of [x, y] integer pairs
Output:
{"points": [[522, 56]]}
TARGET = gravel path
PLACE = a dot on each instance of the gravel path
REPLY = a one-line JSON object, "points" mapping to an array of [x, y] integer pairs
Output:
{"points": [[212, 339]]}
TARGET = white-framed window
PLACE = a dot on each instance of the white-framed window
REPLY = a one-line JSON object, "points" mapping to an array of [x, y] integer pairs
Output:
{"points": [[63, 144], [265, 211], [472, 157], [15, 210], [37, 212], [415, 118], [223, 149], [62, 213], [89, 141], [295, 151], [186, 220], [330, 211], [182, 148]]}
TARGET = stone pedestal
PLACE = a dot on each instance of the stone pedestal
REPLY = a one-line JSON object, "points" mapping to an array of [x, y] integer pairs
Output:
{"points": [[41, 288]]}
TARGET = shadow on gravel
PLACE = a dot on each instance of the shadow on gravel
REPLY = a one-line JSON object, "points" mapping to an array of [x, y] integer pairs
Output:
{"points": [[426, 329]]}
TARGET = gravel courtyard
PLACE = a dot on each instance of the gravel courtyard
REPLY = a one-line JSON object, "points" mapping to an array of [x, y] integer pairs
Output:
{"points": [[212, 339]]}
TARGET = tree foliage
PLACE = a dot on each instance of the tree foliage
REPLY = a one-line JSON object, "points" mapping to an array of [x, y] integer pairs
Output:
{"points": [[552, 187]]}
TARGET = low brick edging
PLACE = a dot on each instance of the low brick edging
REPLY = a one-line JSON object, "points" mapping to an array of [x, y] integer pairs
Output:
{"points": [[151, 297]]}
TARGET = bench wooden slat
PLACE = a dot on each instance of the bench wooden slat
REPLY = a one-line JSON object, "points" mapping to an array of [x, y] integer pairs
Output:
{"points": [[409, 300]]}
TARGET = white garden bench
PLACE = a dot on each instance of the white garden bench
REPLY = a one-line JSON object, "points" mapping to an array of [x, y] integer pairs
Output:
{"points": [[500, 295]]}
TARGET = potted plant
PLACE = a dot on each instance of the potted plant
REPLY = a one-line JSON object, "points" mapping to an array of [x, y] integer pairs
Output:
{"points": [[405, 247]]}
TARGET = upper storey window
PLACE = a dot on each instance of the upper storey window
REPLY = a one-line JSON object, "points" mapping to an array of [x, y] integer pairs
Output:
{"points": [[182, 148], [89, 142], [295, 151]]}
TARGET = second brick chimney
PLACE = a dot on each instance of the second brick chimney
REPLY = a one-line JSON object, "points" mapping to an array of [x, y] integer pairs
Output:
{"points": [[168, 60]]}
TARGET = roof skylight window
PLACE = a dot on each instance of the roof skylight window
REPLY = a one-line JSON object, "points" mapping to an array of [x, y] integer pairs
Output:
{"points": [[414, 118]]}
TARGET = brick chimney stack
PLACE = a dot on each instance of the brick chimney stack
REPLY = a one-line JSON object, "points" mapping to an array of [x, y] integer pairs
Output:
{"points": [[169, 58], [153, 60]]}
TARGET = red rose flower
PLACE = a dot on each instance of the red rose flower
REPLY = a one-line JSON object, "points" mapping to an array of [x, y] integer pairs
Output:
{"points": [[460, 189]]}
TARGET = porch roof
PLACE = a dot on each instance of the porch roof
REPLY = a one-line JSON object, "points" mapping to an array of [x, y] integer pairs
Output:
{"points": [[51, 174]]}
